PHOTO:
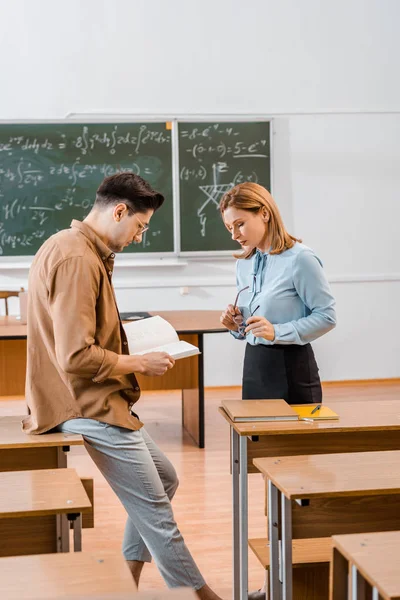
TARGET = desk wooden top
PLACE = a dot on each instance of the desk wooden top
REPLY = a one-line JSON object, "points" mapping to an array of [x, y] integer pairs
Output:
{"points": [[12, 436], [11, 328], [183, 321], [42, 492], [376, 556], [66, 575], [193, 321], [334, 475], [354, 415]]}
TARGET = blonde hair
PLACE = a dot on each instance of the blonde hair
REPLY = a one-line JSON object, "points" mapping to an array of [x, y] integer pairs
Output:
{"points": [[253, 197]]}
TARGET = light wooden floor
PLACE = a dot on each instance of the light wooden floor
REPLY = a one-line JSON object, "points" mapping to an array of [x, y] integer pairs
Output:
{"points": [[203, 502]]}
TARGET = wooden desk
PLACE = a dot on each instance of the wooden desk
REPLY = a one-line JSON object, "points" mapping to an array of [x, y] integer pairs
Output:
{"points": [[67, 576], [362, 427], [187, 375], [22, 452], [27, 495], [372, 559], [338, 479]]}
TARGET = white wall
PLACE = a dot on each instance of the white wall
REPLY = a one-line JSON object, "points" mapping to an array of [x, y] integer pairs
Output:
{"points": [[327, 72]]}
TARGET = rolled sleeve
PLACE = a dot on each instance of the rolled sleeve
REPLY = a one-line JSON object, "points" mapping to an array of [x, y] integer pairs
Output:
{"points": [[74, 286], [107, 366]]}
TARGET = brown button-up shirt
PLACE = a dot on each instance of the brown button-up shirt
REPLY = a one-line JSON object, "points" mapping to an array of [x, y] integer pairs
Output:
{"points": [[75, 336]]}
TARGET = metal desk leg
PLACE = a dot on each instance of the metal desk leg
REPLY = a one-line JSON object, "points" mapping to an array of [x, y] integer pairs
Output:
{"points": [[244, 534], [62, 528], [78, 533], [201, 392], [193, 419], [375, 593], [287, 567], [358, 587], [62, 524], [236, 512], [62, 457], [76, 520], [273, 534]]}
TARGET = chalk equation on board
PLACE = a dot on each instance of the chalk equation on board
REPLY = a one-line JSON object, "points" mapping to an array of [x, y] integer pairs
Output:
{"points": [[49, 174], [213, 158], [28, 174], [214, 191], [86, 142]]}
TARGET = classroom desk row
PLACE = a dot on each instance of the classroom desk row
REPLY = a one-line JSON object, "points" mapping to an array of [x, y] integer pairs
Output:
{"points": [[313, 497], [38, 493], [40, 501], [187, 375], [39, 454], [362, 427]]}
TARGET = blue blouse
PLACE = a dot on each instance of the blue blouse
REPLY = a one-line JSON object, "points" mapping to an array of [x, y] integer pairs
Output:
{"points": [[290, 290]]}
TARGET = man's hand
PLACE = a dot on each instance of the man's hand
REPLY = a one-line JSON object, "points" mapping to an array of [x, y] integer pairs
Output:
{"points": [[228, 318], [156, 363], [260, 327]]}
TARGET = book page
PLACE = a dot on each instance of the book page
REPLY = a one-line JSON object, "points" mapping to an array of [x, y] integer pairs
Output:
{"points": [[177, 350], [146, 334]]}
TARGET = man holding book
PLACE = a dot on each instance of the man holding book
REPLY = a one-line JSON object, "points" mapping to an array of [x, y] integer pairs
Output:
{"points": [[80, 375]]}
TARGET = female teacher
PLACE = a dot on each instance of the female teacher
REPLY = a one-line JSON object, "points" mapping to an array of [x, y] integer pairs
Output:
{"points": [[284, 301]]}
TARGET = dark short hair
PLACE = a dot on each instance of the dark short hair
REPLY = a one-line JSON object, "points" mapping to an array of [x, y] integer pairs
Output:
{"points": [[129, 188]]}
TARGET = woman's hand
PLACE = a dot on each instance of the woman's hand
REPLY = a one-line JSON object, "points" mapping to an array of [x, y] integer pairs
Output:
{"points": [[227, 318], [260, 327]]}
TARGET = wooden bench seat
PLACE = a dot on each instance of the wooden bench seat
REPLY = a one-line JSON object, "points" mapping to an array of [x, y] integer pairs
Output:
{"points": [[311, 562], [306, 553]]}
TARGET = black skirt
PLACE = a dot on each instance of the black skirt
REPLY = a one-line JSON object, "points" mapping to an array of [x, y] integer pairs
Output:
{"points": [[288, 372]]}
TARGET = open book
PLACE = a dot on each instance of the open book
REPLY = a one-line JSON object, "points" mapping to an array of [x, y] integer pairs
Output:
{"points": [[155, 334]]}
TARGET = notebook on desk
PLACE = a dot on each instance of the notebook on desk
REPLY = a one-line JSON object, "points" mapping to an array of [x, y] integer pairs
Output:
{"points": [[324, 413], [243, 411]]}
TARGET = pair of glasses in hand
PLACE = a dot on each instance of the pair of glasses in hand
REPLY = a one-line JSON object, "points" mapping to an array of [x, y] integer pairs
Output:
{"points": [[242, 325], [238, 319]]}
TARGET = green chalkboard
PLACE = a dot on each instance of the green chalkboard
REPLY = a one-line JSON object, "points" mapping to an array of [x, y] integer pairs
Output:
{"points": [[213, 157], [49, 174]]}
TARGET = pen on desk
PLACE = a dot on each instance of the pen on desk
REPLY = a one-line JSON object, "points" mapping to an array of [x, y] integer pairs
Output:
{"points": [[315, 409]]}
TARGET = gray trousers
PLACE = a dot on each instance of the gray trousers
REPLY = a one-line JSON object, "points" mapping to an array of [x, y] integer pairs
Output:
{"points": [[145, 481]]}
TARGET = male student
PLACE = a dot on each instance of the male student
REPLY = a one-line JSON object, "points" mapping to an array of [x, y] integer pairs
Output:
{"points": [[80, 376]]}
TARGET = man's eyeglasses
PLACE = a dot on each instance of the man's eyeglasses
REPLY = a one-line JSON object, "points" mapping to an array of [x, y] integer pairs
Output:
{"points": [[142, 226]]}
